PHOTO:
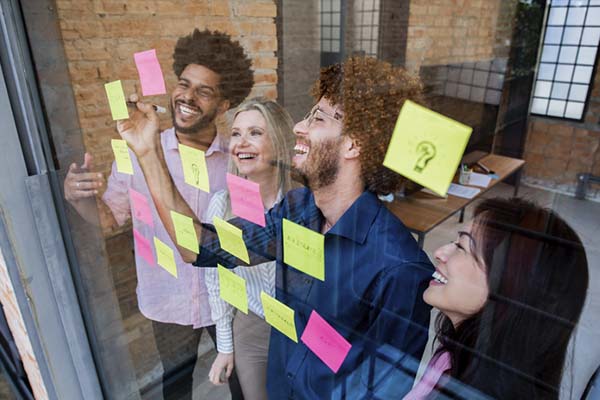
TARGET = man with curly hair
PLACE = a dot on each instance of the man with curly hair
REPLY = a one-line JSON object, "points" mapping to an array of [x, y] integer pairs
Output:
{"points": [[214, 75], [375, 273]]}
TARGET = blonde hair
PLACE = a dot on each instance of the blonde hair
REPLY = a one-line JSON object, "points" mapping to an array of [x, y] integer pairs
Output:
{"points": [[280, 129]]}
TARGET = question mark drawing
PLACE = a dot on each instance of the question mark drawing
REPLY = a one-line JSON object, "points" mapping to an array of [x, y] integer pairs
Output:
{"points": [[196, 173], [427, 152]]}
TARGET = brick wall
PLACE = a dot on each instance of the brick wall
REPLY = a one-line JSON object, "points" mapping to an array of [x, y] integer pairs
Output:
{"points": [[100, 37], [443, 32], [558, 149], [19, 332]]}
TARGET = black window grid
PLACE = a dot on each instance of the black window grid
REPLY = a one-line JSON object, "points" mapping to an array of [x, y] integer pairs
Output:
{"points": [[564, 76], [368, 21], [331, 26]]}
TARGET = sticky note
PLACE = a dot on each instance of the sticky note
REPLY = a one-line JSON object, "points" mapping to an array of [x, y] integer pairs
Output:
{"points": [[140, 207], [116, 100], [303, 249], [194, 167], [279, 316], [246, 201], [165, 257], [185, 232], [143, 247], [231, 239], [426, 147], [121, 152], [233, 289], [151, 76], [325, 342]]}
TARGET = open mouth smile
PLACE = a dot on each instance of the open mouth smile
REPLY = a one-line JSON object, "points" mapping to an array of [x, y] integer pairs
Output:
{"points": [[246, 156], [186, 110], [301, 149], [439, 278]]}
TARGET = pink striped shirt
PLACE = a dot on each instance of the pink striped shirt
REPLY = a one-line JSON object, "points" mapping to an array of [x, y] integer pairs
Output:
{"points": [[436, 367], [161, 296]]}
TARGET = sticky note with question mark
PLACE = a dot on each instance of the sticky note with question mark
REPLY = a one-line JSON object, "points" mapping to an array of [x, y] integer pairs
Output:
{"points": [[426, 147], [194, 167]]}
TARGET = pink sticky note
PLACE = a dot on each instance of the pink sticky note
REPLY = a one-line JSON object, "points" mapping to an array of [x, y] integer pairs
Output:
{"points": [[143, 247], [140, 207], [325, 342], [151, 76], [245, 199]]}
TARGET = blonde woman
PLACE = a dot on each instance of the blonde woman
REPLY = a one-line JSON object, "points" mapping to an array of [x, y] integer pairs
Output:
{"points": [[261, 141]]}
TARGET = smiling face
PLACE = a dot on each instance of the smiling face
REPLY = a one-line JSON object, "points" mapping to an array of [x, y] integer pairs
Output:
{"points": [[250, 146], [459, 288], [317, 150], [196, 101]]}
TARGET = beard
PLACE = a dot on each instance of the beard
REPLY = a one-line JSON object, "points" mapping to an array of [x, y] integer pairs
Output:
{"points": [[204, 121], [321, 167]]}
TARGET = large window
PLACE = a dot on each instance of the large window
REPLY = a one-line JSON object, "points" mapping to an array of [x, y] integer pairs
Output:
{"points": [[567, 61]]}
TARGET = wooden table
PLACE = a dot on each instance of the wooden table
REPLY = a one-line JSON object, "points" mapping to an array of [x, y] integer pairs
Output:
{"points": [[421, 211]]}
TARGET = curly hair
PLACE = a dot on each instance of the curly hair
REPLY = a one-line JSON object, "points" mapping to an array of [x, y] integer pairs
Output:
{"points": [[371, 93], [217, 52]]}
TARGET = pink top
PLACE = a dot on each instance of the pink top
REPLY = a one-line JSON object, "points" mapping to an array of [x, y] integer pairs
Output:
{"points": [[436, 367], [161, 296]]}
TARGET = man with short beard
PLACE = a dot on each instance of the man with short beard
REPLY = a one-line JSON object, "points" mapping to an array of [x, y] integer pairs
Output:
{"points": [[375, 273], [214, 75]]}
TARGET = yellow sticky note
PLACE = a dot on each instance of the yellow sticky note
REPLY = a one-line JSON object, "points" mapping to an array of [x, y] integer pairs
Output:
{"points": [[194, 167], [426, 147], [279, 316], [121, 152], [165, 257], [185, 232], [231, 239], [304, 249], [116, 100], [233, 289]]}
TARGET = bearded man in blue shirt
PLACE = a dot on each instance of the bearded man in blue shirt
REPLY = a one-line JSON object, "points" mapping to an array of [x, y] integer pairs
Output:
{"points": [[375, 273]]}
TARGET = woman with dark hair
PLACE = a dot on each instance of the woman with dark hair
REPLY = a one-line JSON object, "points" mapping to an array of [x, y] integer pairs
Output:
{"points": [[510, 290]]}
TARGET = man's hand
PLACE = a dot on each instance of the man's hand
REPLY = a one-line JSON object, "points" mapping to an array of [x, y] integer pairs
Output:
{"points": [[223, 365], [80, 183], [141, 131]]}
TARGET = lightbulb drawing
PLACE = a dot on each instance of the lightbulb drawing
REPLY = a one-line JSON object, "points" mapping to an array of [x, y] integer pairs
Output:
{"points": [[196, 172], [426, 152]]}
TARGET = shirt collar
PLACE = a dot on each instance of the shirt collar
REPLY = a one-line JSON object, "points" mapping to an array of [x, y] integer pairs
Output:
{"points": [[355, 223], [219, 143]]}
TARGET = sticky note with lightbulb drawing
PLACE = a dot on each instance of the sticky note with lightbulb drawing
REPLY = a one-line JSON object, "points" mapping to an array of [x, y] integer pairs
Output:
{"points": [[194, 167], [426, 147]]}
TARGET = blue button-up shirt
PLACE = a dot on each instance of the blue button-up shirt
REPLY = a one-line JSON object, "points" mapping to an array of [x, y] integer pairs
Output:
{"points": [[375, 275]]}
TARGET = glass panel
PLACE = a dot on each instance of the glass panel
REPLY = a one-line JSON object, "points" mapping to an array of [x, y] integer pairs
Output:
{"points": [[556, 108], [563, 73], [560, 90], [582, 74], [542, 89], [546, 71], [593, 16], [568, 54], [578, 92], [553, 35], [572, 36], [576, 16], [590, 36], [587, 55], [538, 106], [550, 53], [557, 16], [574, 110]]}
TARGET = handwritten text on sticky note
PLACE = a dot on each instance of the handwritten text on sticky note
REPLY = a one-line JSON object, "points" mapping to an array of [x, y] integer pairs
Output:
{"points": [[232, 289], [140, 207], [194, 167], [303, 249], [325, 341], [246, 201], [143, 247], [165, 257], [121, 152], [426, 147], [151, 76], [231, 239], [116, 100], [185, 232], [279, 316]]}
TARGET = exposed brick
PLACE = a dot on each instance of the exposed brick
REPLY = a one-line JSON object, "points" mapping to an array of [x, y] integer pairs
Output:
{"points": [[256, 9]]}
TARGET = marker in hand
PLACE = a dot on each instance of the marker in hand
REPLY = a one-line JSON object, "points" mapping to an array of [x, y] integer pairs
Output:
{"points": [[158, 109]]}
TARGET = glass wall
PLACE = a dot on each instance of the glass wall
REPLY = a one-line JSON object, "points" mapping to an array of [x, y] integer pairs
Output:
{"points": [[150, 315]]}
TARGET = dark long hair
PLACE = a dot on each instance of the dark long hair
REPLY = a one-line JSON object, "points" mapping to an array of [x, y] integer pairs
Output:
{"points": [[515, 346]]}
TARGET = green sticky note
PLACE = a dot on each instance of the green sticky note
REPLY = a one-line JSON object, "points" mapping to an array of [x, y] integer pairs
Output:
{"points": [[116, 100], [304, 249], [185, 232], [279, 316], [231, 239], [426, 147], [121, 152], [233, 289], [194, 167], [165, 257]]}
